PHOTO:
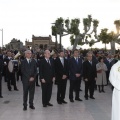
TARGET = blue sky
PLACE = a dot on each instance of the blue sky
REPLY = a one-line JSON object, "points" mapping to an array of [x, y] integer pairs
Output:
{"points": [[22, 18]]}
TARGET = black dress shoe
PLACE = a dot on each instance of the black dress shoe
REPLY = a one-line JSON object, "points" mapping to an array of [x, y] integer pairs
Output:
{"points": [[99, 91], [78, 99], [63, 101], [16, 89], [103, 91], [32, 107], [1, 96], [44, 105], [38, 85], [71, 100], [59, 102], [24, 108], [92, 97], [86, 98], [80, 90], [49, 104]]}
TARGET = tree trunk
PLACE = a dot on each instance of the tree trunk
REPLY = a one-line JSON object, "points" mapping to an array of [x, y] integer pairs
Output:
{"points": [[105, 47], [112, 47], [60, 41], [56, 42], [76, 42]]}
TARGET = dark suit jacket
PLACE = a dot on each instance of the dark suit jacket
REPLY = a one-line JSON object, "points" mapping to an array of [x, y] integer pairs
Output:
{"points": [[28, 70], [75, 68], [89, 71], [1, 67], [47, 72], [1, 57], [36, 61], [60, 70], [112, 63], [107, 64]]}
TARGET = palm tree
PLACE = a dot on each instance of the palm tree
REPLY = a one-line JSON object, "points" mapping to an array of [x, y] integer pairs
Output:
{"points": [[54, 33], [104, 37]]}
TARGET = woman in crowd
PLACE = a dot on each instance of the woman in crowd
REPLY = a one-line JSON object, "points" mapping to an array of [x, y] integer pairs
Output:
{"points": [[101, 74]]}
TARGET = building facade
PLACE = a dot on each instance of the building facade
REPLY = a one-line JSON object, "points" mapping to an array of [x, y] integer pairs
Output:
{"points": [[40, 42]]}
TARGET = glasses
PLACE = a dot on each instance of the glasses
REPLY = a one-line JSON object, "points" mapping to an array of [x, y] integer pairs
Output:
{"points": [[89, 56]]}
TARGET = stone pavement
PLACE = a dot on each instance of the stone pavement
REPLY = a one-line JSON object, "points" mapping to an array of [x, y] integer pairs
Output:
{"points": [[99, 109]]}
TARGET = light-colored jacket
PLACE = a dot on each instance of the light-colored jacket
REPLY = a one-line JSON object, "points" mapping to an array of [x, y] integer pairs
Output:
{"points": [[101, 75]]}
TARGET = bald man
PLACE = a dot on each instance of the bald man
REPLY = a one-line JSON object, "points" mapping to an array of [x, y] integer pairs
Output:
{"points": [[29, 72], [47, 76]]}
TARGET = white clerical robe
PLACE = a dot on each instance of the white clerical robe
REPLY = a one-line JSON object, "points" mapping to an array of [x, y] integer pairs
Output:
{"points": [[115, 81]]}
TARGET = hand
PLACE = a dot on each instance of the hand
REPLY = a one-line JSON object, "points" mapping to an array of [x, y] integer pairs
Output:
{"points": [[31, 79], [77, 75], [53, 79], [64, 77], [86, 79], [5, 63], [43, 81]]}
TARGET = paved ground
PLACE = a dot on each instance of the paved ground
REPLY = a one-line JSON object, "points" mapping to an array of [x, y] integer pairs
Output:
{"points": [[99, 109]]}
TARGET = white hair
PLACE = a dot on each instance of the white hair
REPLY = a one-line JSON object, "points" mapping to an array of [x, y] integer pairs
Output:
{"points": [[27, 51], [89, 53], [46, 51]]}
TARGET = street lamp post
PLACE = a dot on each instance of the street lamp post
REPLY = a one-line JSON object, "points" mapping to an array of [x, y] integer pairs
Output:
{"points": [[2, 37]]}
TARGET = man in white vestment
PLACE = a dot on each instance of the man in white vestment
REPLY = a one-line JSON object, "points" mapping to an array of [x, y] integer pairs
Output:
{"points": [[114, 78]]}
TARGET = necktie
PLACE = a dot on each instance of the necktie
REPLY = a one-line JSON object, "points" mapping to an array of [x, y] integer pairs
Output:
{"points": [[49, 62], [62, 61], [91, 62], [28, 61], [77, 60]]}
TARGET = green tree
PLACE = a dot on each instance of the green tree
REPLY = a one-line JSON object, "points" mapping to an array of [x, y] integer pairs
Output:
{"points": [[58, 28], [107, 37], [66, 27], [84, 37], [111, 37], [54, 33], [104, 36]]}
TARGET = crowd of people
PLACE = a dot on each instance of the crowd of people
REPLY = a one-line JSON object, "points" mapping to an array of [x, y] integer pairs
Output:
{"points": [[93, 67]]}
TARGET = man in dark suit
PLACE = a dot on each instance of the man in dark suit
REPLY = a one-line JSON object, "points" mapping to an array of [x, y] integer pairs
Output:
{"points": [[89, 75], [34, 56], [75, 73], [112, 62], [107, 61], [10, 74], [61, 73], [1, 70], [47, 76], [29, 72], [2, 56]]}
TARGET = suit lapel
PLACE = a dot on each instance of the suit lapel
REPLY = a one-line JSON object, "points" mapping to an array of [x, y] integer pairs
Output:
{"points": [[26, 61], [60, 62], [76, 61], [90, 64], [28, 64], [48, 63], [64, 62]]}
